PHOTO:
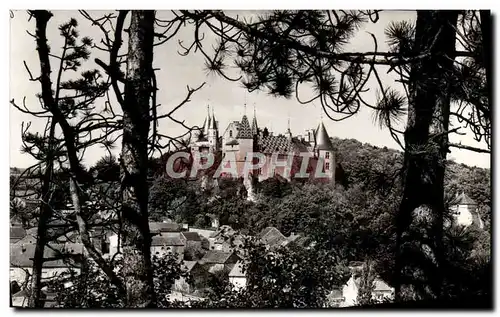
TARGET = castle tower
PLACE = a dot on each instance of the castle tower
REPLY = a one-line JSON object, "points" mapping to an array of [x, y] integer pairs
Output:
{"points": [[207, 122], [255, 127], [245, 141], [323, 149], [212, 132]]}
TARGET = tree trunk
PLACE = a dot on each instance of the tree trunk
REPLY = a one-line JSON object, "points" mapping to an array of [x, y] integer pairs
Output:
{"points": [[419, 246], [42, 17], [136, 238], [45, 214]]}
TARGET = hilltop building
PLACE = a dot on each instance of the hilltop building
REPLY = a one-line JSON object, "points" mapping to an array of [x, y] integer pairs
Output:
{"points": [[240, 138]]}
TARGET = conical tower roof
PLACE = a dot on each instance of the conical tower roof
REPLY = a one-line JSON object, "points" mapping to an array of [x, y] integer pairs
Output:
{"points": [[208, 121], [244, 132], [255, 127], [213, 122], [323, 141]]}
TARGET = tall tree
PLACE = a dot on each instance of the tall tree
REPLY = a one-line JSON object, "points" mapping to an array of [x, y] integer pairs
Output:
{"points": [[426, 144], [62, 106], [136, 238]]}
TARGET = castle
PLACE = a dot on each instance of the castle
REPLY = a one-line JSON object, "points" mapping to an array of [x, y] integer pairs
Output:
{"points": [[284, 154]]}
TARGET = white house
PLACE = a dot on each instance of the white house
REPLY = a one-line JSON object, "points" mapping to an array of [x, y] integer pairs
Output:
{"points": [[236, 277], [347, 295], [465, 212]]}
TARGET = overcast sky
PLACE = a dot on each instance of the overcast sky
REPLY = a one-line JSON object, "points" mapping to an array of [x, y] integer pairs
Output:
{"points": [[226, 97]]}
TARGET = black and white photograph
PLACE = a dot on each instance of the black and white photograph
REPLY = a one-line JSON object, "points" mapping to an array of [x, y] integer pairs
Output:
{"points": [[250, 159]]}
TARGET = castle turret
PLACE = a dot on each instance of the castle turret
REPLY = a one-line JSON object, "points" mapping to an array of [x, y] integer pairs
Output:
{"points": [[212, 132], [255, 127], [245, 141], [324, 150], [207, 122]]}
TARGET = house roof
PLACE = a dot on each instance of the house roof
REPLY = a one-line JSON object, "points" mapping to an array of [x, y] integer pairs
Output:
{"points": [[191, 236], [216, 257], [189, 265], [28, 239], [21, 293], [22, 255], [223, 230], [381, 285], [282, 145], [272, 236], [17, 232], [164, 227], [463, 199], [32, 231], [166, 241], [237, 270], [203, 232]]}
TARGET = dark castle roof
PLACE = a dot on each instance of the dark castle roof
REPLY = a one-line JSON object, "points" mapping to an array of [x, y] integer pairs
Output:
{"points": [[255, 127], [244, 130], [213, 123], [282, 145], [323, 141]]}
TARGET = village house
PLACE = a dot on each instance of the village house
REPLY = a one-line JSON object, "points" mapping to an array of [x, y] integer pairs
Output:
{"points": [[226, 239], [236, 276], [199, 278], [193, 246], [169, 231], [167, 245], [191, 239], [62, 258], [219, 261], [350, 290], [465, 212], [20, 299], [272, 237]]}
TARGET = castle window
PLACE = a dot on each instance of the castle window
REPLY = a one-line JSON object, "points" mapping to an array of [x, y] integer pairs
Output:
{"points": [[327, 166], [327, 155], [230, 133]]}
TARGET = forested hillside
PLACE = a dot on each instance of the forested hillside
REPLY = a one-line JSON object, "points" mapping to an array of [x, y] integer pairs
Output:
{"points": [[377, 168]]}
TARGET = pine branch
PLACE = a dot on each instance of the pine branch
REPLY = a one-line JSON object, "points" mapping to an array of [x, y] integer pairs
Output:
{"points": [[469, 148]]}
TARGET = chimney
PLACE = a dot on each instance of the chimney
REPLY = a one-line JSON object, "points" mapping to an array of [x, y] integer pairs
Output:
{"points": [[23, 248], [185, 226]]}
